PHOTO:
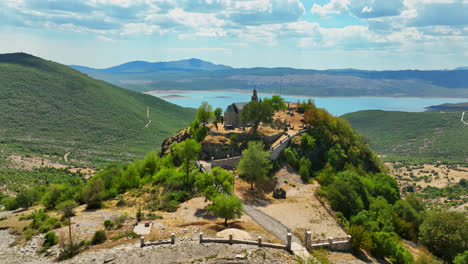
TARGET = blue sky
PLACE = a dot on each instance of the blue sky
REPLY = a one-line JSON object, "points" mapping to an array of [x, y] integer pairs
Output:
{"points": [[318, 34]]}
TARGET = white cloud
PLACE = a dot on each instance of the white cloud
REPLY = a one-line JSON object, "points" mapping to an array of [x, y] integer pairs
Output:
{"points": [[333, 7]]}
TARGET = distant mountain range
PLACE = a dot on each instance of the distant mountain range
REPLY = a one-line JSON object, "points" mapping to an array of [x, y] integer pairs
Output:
{"points": [[147, 67], [195, 74]]}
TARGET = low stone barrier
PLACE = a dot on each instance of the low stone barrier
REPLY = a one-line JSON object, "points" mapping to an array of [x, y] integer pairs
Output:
{"points": [[336, 244], [259, 242], [144, 243]]}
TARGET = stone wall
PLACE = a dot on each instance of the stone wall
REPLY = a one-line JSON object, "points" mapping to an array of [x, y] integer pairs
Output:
{"points": [[276, 151], [228, 163]]}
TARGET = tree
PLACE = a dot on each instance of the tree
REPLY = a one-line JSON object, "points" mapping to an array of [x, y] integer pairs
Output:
{"points": [[227, 207], [188, 151], [92, 193], [204, 113], [26, 198], [255, 163], [256, 112], [218, 181], [359, 238], [67, 208], [276, 102], [461, 258], [445, 234], [218, 112]]}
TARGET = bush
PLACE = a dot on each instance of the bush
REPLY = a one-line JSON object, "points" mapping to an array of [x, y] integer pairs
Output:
{"points": [[359, 239], [50, 239], [99, 237], [108, 224]]}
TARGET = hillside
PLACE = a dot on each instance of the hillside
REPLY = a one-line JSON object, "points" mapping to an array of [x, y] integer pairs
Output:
{"points": [[49, 108], [195, 74], [426, 135], [449, 107]]}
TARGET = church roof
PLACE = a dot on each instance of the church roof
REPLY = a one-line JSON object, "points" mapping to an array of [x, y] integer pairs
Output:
{"points": [[235, 108]]}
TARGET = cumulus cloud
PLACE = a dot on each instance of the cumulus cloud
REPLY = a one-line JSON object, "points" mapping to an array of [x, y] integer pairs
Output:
{"points": [[360, 8]]}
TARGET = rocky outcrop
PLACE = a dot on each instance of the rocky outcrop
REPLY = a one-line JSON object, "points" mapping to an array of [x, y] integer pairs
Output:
{"points": [[218, 147], [179, 137]]}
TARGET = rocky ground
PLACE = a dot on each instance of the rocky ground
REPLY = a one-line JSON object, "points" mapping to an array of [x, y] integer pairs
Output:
{"points": [[184, 251]]}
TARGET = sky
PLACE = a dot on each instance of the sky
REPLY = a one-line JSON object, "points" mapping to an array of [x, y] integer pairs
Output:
{"points": [[312, 34]]}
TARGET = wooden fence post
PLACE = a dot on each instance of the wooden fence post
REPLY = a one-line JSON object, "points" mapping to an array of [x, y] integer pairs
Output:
{"points": [[142, 241], [230, 238], [201, 237], [288, 241], [259, 241], [172, 238]]}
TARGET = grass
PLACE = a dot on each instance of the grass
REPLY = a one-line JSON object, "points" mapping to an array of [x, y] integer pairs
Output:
{"points": [[49, 108], [427, 136]]}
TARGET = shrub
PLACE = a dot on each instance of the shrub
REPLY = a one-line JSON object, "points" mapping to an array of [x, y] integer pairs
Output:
{"points": [[359, 238], [108, 224], [50, 239], [99, 237], [139, 215]]}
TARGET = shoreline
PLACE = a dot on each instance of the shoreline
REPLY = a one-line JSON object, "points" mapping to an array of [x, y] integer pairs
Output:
{"points": [[172, 94]]}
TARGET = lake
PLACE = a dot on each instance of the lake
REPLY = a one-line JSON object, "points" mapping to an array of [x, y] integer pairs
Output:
{"points": [[336, 106]]}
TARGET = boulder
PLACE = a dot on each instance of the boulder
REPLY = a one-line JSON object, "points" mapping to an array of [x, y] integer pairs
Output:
{"points": [[279, 193]]}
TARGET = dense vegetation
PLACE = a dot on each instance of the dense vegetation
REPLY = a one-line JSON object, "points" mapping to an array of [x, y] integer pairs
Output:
{"points": [[17, 180], [366, 200], [48, 108], [429, 135]]}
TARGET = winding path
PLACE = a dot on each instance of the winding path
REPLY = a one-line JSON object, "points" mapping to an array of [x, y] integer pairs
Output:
{"points": [[277, 228], [462, 119]]}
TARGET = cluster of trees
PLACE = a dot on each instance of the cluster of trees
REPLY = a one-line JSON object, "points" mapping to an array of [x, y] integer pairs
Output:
{"points": [[366, 200]]}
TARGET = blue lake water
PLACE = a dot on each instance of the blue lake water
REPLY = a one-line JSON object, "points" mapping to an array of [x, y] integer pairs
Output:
{"points": [[336, 106]]}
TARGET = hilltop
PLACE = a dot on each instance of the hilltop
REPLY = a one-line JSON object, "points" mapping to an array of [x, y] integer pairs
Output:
{"points": [[449, 107], [429, 135], [49, 108], [195, 74], [146, 67]]}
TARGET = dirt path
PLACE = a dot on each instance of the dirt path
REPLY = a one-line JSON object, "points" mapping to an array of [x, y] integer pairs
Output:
{"points": [[65, 157], [462, 119], [148, 117], [277, 228]]}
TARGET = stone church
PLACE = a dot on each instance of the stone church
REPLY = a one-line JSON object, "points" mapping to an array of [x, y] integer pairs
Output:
{"points": [[232, 112]]}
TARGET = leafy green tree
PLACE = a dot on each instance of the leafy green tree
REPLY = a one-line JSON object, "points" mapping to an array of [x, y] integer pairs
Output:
{"points": [[218, 113], [188, 151], [27, 198], [227, 207], [256, 112], [307, 142], [304, 169], [461, 258], [218, 181], [67, 208], [276, 102], [343, 198], [255, 163], [445, 234], [360, 238], [204, 113], [386, 186], [92, 193]]}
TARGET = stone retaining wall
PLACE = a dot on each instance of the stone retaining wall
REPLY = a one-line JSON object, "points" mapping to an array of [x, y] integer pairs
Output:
{"points": [[228, 163]]}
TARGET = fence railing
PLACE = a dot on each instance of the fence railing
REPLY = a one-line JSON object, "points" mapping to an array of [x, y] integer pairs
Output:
{"points": [[258, 242]]}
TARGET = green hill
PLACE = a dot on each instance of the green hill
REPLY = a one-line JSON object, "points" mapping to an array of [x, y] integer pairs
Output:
{"points": [[49, 108], [430, 135]]}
